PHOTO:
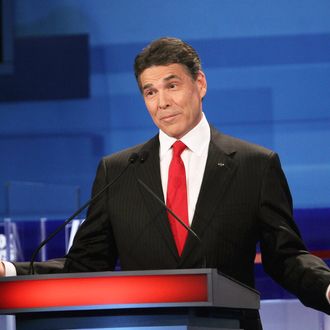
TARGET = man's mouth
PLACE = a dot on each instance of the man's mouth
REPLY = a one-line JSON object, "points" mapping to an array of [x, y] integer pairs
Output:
{"points": [[169, 118]]}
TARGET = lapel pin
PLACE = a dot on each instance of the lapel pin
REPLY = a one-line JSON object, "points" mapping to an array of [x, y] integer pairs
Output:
{"points": [[220, 164]]}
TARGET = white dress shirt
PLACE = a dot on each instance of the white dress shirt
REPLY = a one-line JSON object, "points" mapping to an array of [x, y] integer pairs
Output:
{"points": [[10, 269], [194, 158]]}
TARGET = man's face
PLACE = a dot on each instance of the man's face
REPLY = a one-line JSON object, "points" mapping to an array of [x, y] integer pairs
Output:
{"points": [[173, 98]]}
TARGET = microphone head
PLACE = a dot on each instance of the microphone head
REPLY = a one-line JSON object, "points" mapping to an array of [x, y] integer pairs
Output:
{"points": [[143, 156], [133, 158]]}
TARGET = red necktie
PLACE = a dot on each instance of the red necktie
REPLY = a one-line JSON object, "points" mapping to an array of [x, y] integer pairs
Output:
{"points": [[177, 196]]}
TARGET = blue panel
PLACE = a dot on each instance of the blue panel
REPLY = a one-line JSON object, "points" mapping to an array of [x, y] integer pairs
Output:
{"points": [[120, 139], [303, 143], [127, 20], [129, 111], [229, 52], [310, 185], [65, 117], [63, 159], [48, 68], [114, 58], [260, 51], [239, 106], [314, 225], [26, 199], [301, 92]]}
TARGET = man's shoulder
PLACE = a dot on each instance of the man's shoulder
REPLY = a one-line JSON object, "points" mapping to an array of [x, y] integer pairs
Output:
{"points": [[231, 144]]}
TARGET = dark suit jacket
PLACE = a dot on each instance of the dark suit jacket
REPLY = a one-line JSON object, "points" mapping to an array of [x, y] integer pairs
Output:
{"points": [[244, 199]]}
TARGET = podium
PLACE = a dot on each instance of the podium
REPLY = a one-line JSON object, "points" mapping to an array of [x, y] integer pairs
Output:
{"points": [[163, 299]]}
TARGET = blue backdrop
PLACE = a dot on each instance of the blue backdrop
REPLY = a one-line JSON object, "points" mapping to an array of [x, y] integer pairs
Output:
{"points": [[268, 70]]}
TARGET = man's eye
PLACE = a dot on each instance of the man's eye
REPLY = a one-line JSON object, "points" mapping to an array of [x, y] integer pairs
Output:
{"points": [[171, 86], [149, 93]]}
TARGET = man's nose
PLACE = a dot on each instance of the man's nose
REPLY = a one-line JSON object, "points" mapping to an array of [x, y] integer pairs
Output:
{"points": [[163, 100]]}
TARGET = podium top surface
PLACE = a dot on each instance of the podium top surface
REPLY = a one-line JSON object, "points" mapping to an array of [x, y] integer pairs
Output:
{"points": [[116, 290]]}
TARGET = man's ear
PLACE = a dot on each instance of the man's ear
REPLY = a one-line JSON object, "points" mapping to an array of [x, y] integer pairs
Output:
{"points": [[202, 83]]}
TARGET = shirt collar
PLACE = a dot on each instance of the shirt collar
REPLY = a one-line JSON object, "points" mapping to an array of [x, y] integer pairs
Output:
{"points": [[196, 140]]}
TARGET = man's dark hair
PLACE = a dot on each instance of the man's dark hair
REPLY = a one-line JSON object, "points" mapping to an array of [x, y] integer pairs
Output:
{"points": [[165, 51]]}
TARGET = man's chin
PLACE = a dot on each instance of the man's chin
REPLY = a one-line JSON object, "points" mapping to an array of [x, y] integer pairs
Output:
{"points": [[173, 132]]}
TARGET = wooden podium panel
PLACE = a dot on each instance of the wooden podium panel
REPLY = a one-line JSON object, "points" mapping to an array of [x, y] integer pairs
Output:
{"points": [[173, 299]]}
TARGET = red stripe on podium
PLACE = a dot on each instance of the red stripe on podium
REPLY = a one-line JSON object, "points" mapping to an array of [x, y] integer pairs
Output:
{"points": [[40, 293]]}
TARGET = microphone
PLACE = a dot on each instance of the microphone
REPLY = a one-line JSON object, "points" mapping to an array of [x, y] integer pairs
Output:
{"points": [[142, 160], [131, 160], [143, 156]]}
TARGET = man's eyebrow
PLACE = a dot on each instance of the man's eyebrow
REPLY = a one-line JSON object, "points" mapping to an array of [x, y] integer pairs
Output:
{"points": [[172, 76], [146, 86]]}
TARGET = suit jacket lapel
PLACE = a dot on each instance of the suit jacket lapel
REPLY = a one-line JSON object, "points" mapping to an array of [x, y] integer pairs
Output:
{"points": [[149, 173], [219, 170]]}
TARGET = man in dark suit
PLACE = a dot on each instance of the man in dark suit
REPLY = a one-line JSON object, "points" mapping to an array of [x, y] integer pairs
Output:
{"points": [[236, 194]]}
